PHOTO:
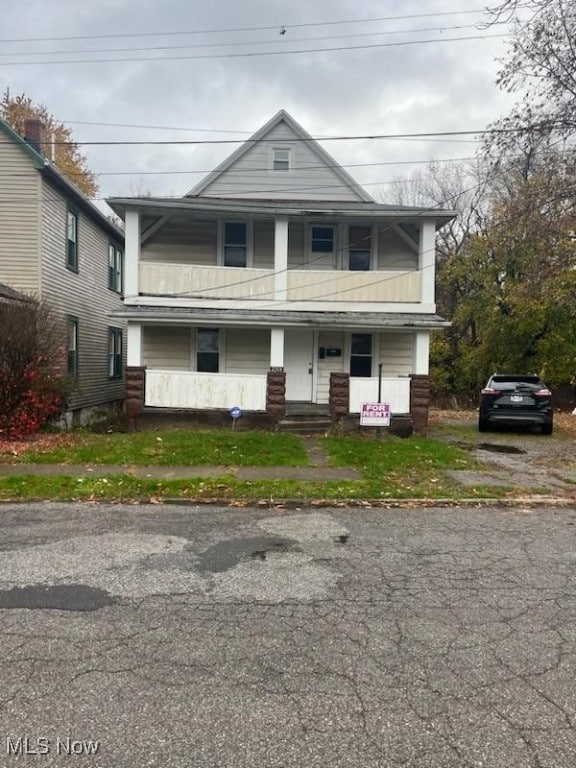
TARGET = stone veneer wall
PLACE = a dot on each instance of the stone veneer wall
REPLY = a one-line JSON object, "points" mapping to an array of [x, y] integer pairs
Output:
{"points": [[135, 392], [419, 401], [339, 396], [276, 394]]}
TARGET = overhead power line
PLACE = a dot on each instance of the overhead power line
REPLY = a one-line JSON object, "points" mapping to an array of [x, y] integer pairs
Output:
{"points": [[217, 30], [252, 54], [359, 137]]}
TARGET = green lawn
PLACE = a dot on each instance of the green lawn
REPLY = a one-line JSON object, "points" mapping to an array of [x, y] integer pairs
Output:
{"points": [[176, 447], [391, 468]]}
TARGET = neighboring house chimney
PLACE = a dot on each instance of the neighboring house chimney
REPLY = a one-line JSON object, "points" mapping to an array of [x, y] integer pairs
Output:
{"points": [[34, 135]]}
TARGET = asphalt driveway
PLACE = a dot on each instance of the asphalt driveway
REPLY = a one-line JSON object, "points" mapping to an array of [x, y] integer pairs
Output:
{"points": [[180, 636]]}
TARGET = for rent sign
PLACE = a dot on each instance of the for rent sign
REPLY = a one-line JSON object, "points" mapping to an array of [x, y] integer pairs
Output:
{"points": [[375, 415]]}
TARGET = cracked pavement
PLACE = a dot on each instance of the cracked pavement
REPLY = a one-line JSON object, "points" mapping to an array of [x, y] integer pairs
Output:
{"points": [[219, 638]]}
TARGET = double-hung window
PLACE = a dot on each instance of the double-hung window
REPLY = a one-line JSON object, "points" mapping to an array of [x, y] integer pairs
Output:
{"points": [[73, 362], [115, 353], [322, 247], [115, 268], [281, 159], [72, 240], [361, 355], [359, 248], [235, 244], [207, 350]]}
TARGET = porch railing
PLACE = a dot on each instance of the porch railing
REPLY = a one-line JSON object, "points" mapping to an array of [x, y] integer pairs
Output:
{"points": [[184, 389], [395, 391]]}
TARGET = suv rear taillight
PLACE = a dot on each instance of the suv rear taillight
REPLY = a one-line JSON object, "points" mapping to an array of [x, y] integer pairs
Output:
{"points": [[542, 393], [490, 391]]}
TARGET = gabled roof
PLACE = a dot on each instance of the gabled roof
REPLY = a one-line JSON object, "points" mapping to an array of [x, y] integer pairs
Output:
{"points": [[301, 135], [50, 172]]}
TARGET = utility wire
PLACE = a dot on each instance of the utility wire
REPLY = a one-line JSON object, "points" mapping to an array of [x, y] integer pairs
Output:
{"points": [[253, 54], [275, 28]]}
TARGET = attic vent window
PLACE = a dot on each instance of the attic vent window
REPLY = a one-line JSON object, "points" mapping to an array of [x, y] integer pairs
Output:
{"points": [[281, 160]]}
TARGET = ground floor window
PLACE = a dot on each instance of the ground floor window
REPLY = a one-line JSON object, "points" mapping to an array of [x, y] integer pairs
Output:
{"points": [[115, 353], [208, 350], [73, 357], [361, 355]]}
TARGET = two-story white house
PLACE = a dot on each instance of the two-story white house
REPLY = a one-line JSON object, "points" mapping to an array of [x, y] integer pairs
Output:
{"points": [[275, 284]]}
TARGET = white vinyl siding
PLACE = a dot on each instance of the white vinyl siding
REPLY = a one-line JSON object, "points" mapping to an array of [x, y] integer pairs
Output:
{"points": [[183, 242], [247, 351], [296, 250], [166, 348], [396, 352], [327, 365], [394, 252], [20, 192], [310, 179], [84, 295], [264, 244]]}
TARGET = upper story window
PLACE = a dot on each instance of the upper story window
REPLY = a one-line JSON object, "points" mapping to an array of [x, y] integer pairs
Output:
{"points": [[235, 244], [359, 239], [72, 240], [115, 268], [322, 247], [281, 159]]}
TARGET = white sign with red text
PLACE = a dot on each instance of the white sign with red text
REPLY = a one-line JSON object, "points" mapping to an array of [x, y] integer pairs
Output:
{"points": [[375, 415]]}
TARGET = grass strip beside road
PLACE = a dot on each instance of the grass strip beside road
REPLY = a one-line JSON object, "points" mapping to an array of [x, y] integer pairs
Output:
{"points": [[391, 468]]}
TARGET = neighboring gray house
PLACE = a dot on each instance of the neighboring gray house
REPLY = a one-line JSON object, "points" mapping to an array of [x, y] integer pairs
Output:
{"points": [[57, 246], [280, 286]]}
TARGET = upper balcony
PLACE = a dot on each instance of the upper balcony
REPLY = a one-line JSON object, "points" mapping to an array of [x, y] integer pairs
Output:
{"points": [[322, 258]]}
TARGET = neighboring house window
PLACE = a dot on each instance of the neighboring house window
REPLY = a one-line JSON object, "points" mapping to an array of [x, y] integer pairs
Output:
{"points": [[361, 355], [72, 240], [73, 359], [115, 353], [280, 159], [359, 249], [115, 268], [235, 244], [208, 352]]}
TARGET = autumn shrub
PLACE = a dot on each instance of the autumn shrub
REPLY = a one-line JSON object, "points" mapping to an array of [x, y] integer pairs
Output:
{"points": [[32, 385]]}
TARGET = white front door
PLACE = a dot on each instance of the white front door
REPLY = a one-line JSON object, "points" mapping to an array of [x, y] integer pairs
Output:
{"points": [[298, 364]]}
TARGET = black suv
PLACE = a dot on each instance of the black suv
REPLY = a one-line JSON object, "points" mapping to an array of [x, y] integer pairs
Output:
{"points": [[516, 399]]}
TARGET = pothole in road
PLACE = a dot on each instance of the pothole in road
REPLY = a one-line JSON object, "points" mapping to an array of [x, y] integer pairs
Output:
{"points": [[226, 554], [494, 448], [65, 597]]}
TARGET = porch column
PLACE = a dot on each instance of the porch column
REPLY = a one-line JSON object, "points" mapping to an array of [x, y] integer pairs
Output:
{"points": [[281, 259], [427, 260], [277, 348], [134, 344], [132, 254], [421, 362]]}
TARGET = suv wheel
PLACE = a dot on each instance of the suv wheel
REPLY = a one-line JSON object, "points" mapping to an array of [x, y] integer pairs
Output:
{"points": [[547, 428], [482, 424]]}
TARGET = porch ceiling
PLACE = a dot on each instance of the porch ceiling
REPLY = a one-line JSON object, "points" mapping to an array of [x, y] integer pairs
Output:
{"points": [[278, 318]]}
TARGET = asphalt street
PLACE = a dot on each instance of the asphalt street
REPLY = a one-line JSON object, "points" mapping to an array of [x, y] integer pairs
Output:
{"points": [[171, 636]]}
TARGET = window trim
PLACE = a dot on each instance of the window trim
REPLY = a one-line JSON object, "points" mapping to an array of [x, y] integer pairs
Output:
{"points": [[249, 224], [72, 322], [313, 256], [289, 160], [371, 355], [115, 268], [350, 249], [115, 356], [218, 353], [72, 265]]}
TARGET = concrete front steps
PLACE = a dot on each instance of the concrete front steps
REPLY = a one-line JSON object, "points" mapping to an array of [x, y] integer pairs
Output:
{"points": [[306, 418]]}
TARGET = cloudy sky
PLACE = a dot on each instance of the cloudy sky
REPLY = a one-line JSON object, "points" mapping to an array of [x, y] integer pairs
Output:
{"points": [[215, 70]]}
